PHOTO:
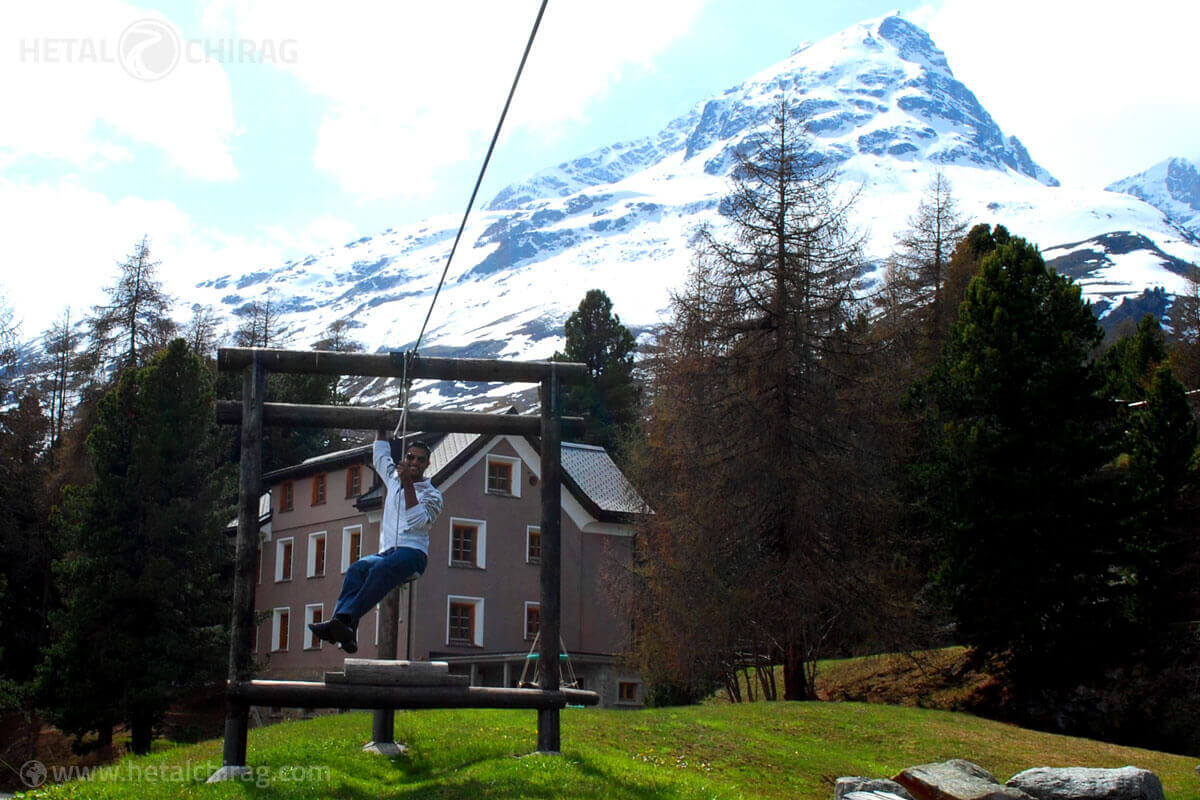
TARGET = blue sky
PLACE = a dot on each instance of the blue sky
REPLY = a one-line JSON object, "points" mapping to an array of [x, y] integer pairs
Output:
{"points": [[336, 124]]}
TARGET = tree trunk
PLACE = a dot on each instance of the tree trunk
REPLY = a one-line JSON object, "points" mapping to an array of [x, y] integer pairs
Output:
{"points": [[141, 726], [795, 679]]}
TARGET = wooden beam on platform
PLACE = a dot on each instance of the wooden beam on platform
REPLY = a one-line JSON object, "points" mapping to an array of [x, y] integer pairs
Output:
{"points": [[362, 418], [306, 694], [386, 365]]}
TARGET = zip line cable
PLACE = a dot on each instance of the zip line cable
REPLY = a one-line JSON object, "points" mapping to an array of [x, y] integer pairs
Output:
{"points": [[402, 428]]}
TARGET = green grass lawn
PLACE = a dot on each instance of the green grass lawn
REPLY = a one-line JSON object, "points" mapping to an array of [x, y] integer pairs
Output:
{"points": [[759, 750]]}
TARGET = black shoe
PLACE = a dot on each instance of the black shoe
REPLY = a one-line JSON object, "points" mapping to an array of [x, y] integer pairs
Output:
{"points": [[343, 634], [322, 630]]}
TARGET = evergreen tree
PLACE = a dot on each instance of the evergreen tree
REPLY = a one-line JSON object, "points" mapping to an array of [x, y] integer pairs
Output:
{"points": [[596, 337], [1130, 364], [1162, 441], [1012, 472], [24, 540], [135, 323], [144, 602]]}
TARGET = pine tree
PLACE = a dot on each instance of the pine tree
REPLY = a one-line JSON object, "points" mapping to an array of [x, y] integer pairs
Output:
{"points": [[144, 601], [1018, 435], [1131, 362], [24, 539], [596, 337], [135, 323]]}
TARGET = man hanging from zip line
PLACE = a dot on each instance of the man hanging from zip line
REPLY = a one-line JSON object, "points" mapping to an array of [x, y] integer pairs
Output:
{"points": [[409, 510]]}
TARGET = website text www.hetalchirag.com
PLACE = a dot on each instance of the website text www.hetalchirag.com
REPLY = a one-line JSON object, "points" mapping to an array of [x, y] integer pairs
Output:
{"points": [[35, 774]]}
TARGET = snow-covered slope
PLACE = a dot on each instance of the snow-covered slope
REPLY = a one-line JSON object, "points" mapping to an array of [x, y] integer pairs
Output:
{"points": [[880, 102], [1171, 186]]}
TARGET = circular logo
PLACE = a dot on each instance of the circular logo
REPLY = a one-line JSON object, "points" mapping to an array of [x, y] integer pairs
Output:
{"points": [[149, 49], [33, 774]]}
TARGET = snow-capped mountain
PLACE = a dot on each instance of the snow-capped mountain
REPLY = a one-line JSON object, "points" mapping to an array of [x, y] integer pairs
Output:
{"points": [[1171, 186], [879, 101]]}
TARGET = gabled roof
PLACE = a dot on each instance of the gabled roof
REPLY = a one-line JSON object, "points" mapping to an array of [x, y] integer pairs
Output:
{"points": [[600, 479]]}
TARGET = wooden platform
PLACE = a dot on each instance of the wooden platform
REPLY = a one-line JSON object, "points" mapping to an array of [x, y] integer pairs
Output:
{"points": [[310, 694]]}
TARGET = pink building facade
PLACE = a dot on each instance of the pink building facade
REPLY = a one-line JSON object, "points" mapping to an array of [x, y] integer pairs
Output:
{"points": [[476, 606]]}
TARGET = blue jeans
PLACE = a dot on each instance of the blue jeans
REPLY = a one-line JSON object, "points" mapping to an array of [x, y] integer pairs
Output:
{"points": [[371, 577]]}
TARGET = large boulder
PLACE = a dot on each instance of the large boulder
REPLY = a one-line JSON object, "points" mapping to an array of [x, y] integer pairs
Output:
{"points": [[1087, 783], [955, 779], [875, 788]]}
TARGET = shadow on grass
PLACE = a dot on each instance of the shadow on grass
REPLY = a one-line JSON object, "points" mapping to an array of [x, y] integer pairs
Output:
{"points": [[423, 778]]}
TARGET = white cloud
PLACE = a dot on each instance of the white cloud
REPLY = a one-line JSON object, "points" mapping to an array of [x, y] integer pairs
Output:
{"points": [[1096, 89], [415, 87], [67, 97], [63, 243]]}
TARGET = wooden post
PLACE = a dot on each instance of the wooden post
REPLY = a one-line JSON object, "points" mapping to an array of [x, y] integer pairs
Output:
{"points": [[383, 726], [241, 633], [549, 738]]}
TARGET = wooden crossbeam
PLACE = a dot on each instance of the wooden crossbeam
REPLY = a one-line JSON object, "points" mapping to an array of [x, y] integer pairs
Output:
{"points": [[308, 694], [360, 418], [384, 365]]}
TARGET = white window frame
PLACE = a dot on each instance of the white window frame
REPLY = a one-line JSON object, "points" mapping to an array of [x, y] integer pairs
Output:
{"points": [[279, 543], [525, 619], [480, 542], [362, 542], [377, 614], [478, 632], [311, 570], [528, 530], [308, 620], [276, 614], [516, 474]]}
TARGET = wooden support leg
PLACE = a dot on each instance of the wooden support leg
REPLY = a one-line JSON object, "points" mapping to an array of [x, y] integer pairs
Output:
{"points": [[551, 570], [241, 633], [383, 725]]}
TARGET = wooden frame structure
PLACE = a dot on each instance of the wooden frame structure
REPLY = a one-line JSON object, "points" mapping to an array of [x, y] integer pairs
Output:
{"points": [[253, 412]]}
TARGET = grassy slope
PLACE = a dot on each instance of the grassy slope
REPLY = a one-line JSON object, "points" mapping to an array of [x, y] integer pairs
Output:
{"points": [[792, 750]]}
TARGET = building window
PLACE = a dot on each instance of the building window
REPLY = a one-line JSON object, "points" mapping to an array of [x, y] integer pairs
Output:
{"points": [[503, 476], [312, 614], [533, 619], [316, 555], [318, 487], [464, 620], [627, 692], [533, 544], [354, 480], [283, 560], [352, 544], [279, 628], [287, 496], [468, 542]]}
